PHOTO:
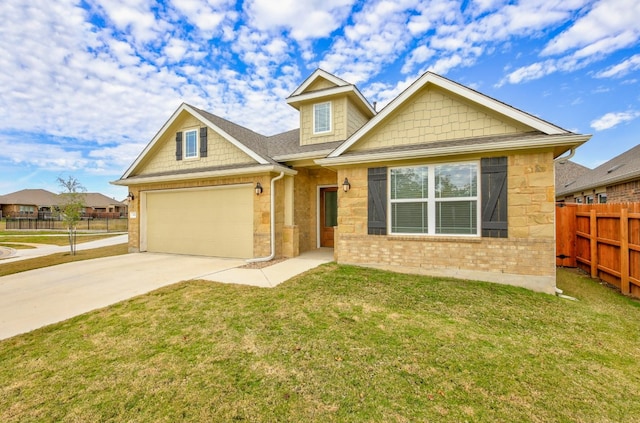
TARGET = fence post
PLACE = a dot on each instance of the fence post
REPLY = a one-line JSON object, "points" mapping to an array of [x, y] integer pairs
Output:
{"points": [[624, 251], [593, 225]]}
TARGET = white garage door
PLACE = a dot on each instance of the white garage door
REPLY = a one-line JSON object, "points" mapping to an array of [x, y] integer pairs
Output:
{"points": [[209, 222]]}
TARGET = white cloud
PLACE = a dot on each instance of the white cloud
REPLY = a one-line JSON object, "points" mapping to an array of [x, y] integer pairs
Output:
{"points": [[621, 69], [611, 120], [608, 19], [304, 20]]}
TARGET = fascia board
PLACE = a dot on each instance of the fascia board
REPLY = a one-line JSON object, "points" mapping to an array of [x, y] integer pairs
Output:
{"points": [[154, 140], [255, 156], [458, 89], [331, 92], [203, 175], [511, 145], [318, 73]]}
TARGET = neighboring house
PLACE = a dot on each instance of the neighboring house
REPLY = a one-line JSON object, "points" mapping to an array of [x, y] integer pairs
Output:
{"points": [[443, 181], [40, 203], [100, 206], [616, 181], [27, 203], [567, 172]]}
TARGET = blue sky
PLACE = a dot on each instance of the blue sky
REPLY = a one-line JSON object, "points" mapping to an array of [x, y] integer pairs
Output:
{"points": [[85, 85]]}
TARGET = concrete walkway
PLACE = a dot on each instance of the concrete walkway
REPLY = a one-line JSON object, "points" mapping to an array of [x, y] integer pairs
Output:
{"points": [[37, 298], [9, 254]]}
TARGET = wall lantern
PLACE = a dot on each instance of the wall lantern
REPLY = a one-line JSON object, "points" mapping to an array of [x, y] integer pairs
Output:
{"points": [[346, 186], [130, 197], [258, 189]]}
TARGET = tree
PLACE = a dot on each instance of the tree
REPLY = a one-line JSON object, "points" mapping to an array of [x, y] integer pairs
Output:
{"points": [[71, 206]]}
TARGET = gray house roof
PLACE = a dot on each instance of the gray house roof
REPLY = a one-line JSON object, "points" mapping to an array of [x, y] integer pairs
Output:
{"points": [[44, 198], [567, 172], [620, 169], [31, 197]]}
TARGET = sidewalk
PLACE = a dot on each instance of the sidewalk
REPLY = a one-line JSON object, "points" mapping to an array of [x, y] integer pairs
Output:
{"points": [[9, 254]]}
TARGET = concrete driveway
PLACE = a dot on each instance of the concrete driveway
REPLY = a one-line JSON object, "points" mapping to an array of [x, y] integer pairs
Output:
{"points": [[36, 298]]}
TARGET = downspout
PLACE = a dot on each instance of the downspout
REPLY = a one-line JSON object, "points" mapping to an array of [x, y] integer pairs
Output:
{"points": [[565, 158], [273, 223]]}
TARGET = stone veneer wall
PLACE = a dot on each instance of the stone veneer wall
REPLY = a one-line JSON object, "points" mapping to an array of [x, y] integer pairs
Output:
{"points": [[624, 193], [261, 209], [305, 206], [526, 258]]}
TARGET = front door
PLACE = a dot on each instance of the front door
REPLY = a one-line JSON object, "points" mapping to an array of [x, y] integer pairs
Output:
{"points": [[328, 215]]}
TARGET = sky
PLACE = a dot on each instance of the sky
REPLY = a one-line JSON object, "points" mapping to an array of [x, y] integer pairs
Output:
{"points": [[85, 85]]}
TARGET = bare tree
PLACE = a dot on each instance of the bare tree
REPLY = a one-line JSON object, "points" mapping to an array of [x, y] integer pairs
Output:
{"points": [[71, 206]]}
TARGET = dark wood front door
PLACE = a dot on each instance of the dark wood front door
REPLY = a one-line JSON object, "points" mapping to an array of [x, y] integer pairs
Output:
{"points": [[328, 215]]}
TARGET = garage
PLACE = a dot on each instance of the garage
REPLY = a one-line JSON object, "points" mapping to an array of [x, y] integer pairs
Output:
{"points": [[201, 221]]}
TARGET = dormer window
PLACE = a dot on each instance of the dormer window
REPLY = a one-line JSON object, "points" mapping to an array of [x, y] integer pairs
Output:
{"points": [[191, 144], [322, 117]]}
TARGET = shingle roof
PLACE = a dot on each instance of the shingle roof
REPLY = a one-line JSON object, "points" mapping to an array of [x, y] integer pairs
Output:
{"points": [[288, 144], [251, 139], [42, 197], [36, 197], [567, 172], [95, 199], [621, 168]]}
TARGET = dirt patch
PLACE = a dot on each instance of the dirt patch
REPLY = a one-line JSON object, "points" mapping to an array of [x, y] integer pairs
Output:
{"points": [[263, 264]]}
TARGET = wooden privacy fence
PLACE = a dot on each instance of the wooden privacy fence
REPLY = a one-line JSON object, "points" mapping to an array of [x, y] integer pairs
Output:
{"points": [[603, 240]]}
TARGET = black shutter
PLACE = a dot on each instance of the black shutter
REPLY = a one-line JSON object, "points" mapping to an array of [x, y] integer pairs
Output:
{"points": [[178, 145], [377, 204], [494, 197], [203, 142]]}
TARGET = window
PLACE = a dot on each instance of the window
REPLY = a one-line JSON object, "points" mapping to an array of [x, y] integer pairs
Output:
{"points": [[321, 118], [190, 144], [435, 200], [602, 198]]}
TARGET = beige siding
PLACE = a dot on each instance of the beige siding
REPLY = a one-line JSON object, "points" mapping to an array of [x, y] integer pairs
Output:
{"points": [[320, 84], [435, 115], [338, 122], [163, 158], [525, 258], [355, 118]]}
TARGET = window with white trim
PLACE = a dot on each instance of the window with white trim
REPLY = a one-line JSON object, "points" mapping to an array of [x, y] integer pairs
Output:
{"points": [[322, 117], [435, 200], [191, 144]]}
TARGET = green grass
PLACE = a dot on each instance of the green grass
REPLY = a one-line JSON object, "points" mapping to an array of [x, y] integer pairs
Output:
{"points": [[9, 268], [339, 343], [51, 238]]}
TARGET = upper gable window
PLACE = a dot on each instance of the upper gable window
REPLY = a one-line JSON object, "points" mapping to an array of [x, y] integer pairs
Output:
{"points": [[191, 144], [322, 117]]}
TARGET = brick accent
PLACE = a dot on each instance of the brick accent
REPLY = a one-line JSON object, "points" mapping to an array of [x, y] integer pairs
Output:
{"points": [[526, 258], [624, 193]]}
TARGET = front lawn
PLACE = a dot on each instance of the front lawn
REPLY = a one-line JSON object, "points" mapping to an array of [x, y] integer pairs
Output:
{"points": [[339, 343], [51, 238], [9, 268]]}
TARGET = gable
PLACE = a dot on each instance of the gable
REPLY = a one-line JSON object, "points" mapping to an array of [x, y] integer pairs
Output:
{"points": [[432, 115], [162, 157], [319, 84]]}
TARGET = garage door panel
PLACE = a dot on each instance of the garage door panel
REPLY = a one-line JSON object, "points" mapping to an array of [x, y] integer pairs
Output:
{"points": [[211, 222]]}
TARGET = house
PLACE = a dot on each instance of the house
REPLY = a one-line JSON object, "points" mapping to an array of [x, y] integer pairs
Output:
{"points": [[98, 205], [615, 181], [442, 181], [27, 203], [40, 203], [567, 172]]}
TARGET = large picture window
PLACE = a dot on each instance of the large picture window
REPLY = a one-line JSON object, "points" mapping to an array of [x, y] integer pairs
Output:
{"points": [[191, 144], [321, 117], [435, 200]]}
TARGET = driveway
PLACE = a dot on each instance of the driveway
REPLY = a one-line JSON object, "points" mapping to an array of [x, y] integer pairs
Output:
{"points": [[36, 298]]}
